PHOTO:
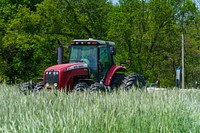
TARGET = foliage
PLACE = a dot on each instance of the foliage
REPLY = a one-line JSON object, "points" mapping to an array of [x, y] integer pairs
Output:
{"points": [[147, 33], [150, 36]]}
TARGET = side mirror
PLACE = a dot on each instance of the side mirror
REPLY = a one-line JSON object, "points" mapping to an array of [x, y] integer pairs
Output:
{"points": [[68, 47], [112, 51]]}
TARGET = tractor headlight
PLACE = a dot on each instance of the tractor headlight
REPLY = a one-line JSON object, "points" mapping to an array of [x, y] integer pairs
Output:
{"points": [[55, 73], [55, 84], [47, 85]]}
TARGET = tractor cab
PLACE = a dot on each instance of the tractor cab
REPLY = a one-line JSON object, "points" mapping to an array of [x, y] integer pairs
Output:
{"points": [[98, 54]]}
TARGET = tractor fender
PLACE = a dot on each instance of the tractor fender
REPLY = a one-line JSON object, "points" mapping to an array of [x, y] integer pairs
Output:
{"points": [[113, 69]]}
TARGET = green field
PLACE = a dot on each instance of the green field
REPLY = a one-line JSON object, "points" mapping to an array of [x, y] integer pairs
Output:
{"points": [[118, 112]]}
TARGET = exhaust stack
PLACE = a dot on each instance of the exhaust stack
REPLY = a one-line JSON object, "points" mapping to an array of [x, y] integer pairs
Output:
{"points": [[60, 53]]}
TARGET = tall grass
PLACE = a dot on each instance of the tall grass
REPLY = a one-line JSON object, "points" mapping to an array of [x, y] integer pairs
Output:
{"points": [[120, 112]]}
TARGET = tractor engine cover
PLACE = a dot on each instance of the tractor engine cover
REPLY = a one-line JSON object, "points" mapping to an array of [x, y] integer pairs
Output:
{"points": [[61, 76]]}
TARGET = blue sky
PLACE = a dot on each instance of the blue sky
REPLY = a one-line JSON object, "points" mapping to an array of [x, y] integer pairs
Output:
{"points": [[114, 1], [196, 1]]}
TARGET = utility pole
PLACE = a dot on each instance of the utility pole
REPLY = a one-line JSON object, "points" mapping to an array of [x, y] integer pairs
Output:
{"points": [[183, 73], [182, 35]]}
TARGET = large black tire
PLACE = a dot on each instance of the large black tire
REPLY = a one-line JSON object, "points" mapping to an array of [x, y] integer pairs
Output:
{"points": [[133, 80], [117, 80], [80, 87], [98, 87]]}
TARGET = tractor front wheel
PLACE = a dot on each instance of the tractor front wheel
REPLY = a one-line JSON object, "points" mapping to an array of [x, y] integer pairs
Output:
{"points": [[98, 87], [134, 80], [80, 87]]}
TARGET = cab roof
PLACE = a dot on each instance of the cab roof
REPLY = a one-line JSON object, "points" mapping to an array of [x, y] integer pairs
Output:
{"points": [[91, 41]]}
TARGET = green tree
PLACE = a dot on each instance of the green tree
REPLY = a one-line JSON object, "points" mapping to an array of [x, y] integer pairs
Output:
{"points": [[31, 40], [19, 44], [7, 11], [148, 34]]}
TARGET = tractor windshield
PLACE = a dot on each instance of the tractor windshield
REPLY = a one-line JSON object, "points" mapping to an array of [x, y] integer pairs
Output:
{"points": [[86, 53]]}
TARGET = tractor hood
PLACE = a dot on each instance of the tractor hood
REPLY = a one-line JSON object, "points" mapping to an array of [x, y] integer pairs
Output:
{"points": [[67, 67]]}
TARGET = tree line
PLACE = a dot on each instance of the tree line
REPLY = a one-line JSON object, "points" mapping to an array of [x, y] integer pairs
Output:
{"points": [[147, 34]]}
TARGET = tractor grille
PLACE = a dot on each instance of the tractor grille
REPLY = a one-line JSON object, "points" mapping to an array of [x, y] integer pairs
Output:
{"points": [[51, 77]]}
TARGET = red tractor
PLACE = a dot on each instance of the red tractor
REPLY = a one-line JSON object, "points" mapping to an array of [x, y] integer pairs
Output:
{"points": [[91, 67]]}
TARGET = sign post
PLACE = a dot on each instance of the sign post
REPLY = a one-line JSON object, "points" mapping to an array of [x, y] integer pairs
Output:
{"points": [[178, 73]]}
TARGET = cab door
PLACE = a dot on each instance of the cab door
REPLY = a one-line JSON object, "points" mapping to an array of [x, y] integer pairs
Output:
{"points": [[104, 61]]}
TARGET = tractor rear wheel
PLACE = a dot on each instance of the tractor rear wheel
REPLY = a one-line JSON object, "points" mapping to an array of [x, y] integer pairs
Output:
{"points": [[134, 80], [117, 80], [80, 87]]}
